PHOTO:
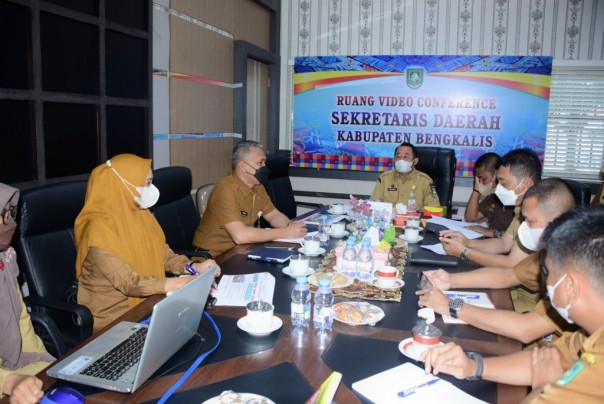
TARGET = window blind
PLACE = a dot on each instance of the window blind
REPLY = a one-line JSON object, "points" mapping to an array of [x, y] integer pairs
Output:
{"points": [[574, 146]]}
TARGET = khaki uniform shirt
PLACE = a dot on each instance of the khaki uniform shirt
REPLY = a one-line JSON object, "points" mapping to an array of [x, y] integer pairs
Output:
{"points": [[498, 216], [390, 187], [30, 342], [107, 281], [231, 200], [583, 357]]}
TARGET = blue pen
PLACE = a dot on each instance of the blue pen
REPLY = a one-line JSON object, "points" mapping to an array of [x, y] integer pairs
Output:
{"points": [[190, 268], [411, 390]]}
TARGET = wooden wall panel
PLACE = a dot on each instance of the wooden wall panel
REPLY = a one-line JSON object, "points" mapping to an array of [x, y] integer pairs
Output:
{"points": [[242, 18], [209, 159], [200, 108], [200, 52]]}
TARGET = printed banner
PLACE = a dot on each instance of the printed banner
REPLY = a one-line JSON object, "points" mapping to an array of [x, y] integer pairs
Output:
{"points": [[350, 112]]}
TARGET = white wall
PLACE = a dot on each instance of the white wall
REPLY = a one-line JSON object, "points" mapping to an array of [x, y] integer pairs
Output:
{"points": [[568, 30]]}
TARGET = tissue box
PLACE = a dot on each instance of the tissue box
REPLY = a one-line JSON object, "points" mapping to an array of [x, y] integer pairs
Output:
{"points": [[440, 211], [380, 258], [401, 220]]}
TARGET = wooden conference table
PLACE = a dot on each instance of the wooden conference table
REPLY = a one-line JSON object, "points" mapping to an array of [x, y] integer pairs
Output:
{"points": [[305, 351]]}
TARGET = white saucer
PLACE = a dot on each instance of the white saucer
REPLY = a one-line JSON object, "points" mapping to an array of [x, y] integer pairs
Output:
{"points": [[288, 271], [315, 254], [405, 348], [244, 325], [232, 397], [420, 238], [399, 284]]}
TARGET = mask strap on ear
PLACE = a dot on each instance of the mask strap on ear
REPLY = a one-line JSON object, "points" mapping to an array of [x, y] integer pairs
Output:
{"points": [[108, 162]]}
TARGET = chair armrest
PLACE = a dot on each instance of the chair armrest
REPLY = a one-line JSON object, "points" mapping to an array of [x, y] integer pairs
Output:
{"points": [[45, 322], [193, 253], [82, 313]]}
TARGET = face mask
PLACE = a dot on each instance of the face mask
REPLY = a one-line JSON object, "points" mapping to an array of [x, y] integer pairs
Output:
{"points": [[6, 234], [149, 195], [485, 189], [507, 196], [261, 173], [562, 311], [529, 237], [403, 166]]}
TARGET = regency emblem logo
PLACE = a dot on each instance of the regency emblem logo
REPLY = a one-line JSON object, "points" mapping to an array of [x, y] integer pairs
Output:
{"points": [[415, 77]]}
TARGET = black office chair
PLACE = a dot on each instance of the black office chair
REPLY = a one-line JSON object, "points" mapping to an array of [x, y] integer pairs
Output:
{"points": [[439, 164], [279, 186], [175, 210], [46, 253], [581, 191]]}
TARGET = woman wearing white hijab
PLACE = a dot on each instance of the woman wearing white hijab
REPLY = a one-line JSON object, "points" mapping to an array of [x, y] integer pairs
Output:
{"points": [[22, 354]]}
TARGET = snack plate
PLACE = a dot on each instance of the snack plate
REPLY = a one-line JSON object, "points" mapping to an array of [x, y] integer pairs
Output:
{"points": [[227, 397], [357, 313], [337, 280]]}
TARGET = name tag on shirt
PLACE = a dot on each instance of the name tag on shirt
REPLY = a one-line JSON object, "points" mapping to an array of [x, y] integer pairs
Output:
{"points": [[392, 189]]}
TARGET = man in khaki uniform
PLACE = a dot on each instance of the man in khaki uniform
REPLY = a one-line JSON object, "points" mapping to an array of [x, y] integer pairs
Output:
{"points": [[572, 368], [238, 201], [405, 184], [520, 169], [599, 197]]}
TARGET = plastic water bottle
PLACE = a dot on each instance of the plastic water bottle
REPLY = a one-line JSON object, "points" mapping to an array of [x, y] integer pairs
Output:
{"points": [[323, 231], [301, 303], [323, 310], [349, 258], [365, 260]]}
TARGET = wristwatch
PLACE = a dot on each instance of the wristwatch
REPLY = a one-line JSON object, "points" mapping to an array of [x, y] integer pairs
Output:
{"points": [[479, 365], [464, 254], [497, 233], [454, 306]]}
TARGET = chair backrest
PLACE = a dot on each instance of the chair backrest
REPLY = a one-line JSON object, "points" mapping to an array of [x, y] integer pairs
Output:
{"points": [[175, 210], [439, 164], [45, 243], [581, 191], [201, 197], [279, 186]]}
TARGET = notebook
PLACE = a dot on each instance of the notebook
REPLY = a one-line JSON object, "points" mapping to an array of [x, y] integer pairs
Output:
{"points": [[267, 254], [425, 257], [174, 321]]}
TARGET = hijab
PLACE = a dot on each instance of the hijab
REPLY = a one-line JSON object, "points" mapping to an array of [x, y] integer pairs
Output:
{"points": [[10, 301], [113, 221]]}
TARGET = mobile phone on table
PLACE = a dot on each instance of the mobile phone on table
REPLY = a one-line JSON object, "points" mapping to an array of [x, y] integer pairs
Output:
{"points": [[423, 282]]}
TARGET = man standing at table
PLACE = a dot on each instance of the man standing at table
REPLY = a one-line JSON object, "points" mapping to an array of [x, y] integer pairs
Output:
{"points": [[405, 184], [571, 369], [238, 201]]}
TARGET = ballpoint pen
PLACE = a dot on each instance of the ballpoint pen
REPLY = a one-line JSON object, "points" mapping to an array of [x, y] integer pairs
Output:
{"points": [[190, 268], [411, 390]]}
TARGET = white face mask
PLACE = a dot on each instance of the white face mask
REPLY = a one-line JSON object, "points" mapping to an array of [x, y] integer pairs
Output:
{"points": [[562, 311], [149, 195], [403, 166], [530, 237], [485, 189], [507, 196]]}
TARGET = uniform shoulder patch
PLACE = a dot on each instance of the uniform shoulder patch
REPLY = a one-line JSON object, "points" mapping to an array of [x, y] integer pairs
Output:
{"points": [[433, 190], [571, 373]]}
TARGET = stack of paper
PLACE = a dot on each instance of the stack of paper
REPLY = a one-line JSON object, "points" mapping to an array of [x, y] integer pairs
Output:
{"points": [[239, 290], [479, 299], [414, 384]]}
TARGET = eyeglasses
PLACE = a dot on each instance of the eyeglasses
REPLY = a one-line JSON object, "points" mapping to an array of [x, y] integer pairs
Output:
{"points": [[8, 214]]}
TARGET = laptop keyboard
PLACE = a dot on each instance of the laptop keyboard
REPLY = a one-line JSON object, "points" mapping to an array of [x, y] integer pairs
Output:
{"points": [[121, 358]]}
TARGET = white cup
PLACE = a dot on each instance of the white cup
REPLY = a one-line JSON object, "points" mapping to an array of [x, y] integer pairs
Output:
{"points": [[259, 314], [401, 208], [312, 244], [337, 229], [413, 222], [411, 233], [299, 264], [386, 276], [337, 208], [424, 337]]}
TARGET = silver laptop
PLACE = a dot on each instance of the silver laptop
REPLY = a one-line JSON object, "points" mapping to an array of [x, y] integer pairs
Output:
{"points": [[174, 321]]}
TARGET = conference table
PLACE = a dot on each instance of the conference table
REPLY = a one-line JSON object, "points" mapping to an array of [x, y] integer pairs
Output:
{"points": [[291, 362]]}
